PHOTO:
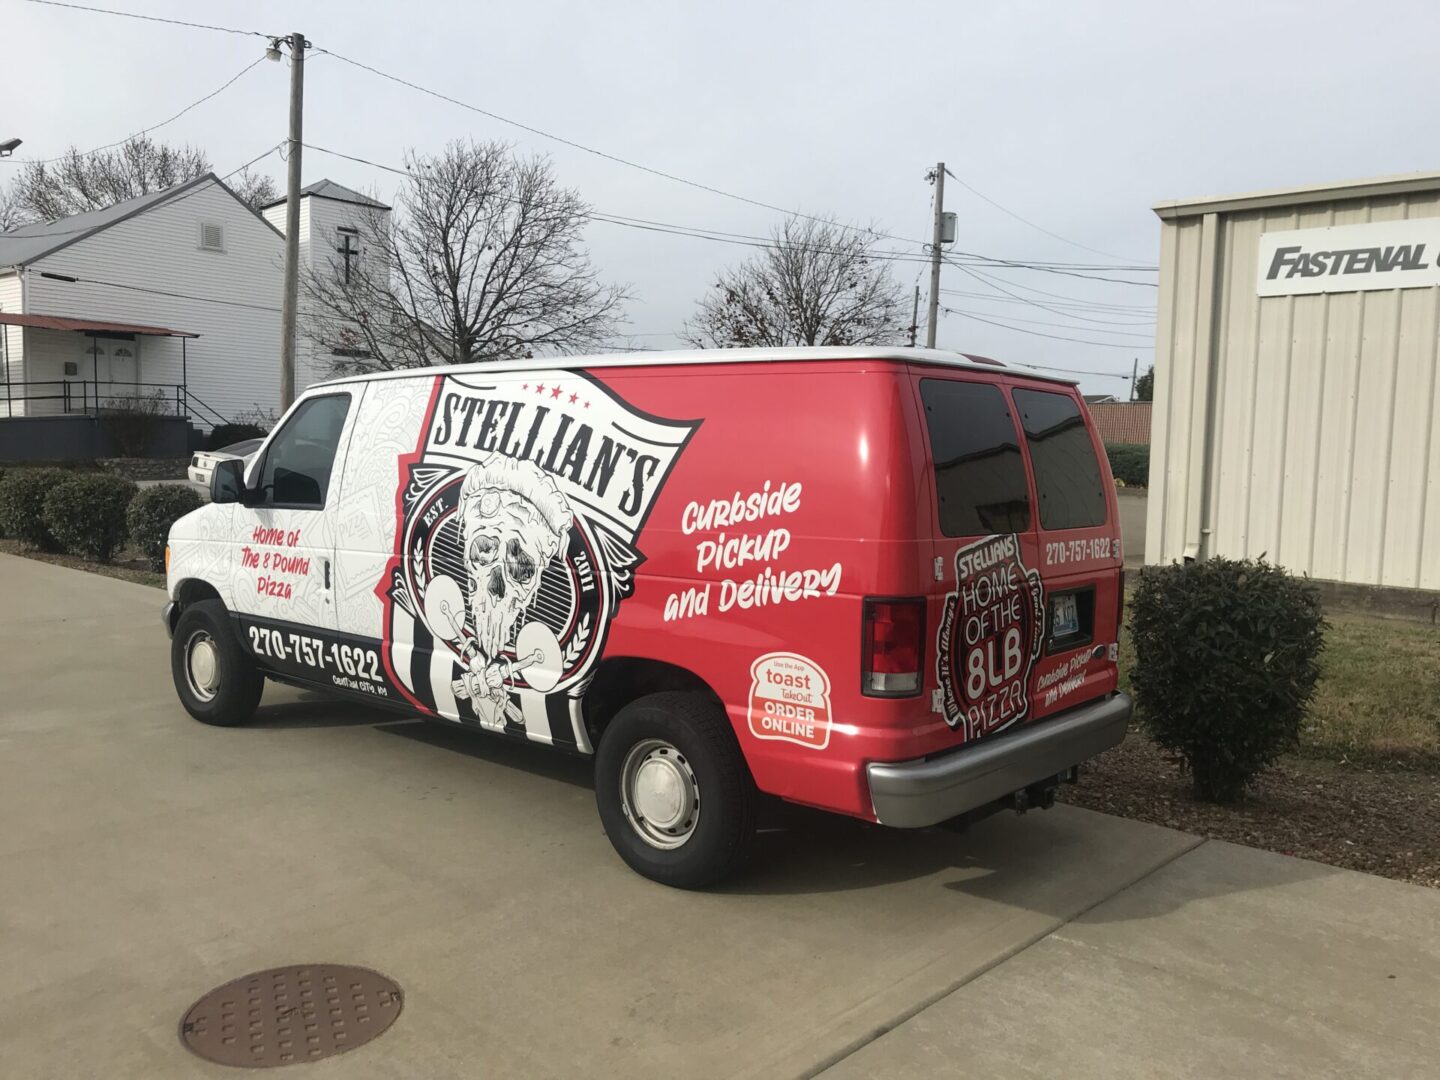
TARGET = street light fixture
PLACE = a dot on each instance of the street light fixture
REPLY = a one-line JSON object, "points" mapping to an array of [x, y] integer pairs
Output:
{"points": [[8, 146]]}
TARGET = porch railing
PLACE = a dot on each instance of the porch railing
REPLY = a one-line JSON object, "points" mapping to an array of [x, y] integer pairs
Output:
{"points": [[87, 397]]}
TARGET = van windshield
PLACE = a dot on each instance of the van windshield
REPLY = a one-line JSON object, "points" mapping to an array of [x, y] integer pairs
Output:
{"points": [[979, 476]]}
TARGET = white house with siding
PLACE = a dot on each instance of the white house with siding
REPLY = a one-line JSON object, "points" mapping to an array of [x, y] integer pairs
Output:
{"points": [[176, 292]]}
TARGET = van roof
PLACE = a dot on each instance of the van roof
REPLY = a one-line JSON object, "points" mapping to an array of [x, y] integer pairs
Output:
{"points": [[967, 361]]}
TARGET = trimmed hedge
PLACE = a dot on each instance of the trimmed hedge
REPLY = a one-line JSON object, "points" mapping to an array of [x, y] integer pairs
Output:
{"points": [[1130, 462], [22, 505], [86, 513], [1226, 660], [224, 434], [152, 511]]}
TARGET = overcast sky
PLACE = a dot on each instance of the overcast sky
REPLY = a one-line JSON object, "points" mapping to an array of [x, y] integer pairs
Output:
{"points": [[1076, 116]]}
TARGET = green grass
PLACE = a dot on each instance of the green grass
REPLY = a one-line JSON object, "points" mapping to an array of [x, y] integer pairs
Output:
{"points": [[1378, 699], [1379, 694]]}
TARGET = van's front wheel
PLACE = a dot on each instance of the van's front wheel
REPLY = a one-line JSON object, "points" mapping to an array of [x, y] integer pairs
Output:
{"points": [[674, 793], [217, 683]]}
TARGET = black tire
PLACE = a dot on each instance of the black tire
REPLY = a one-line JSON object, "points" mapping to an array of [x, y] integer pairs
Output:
{"points": [[230, 696], [701, 747]]}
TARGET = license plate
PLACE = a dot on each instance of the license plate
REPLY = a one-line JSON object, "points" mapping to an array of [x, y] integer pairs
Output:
{"points": [[1064, 617]]}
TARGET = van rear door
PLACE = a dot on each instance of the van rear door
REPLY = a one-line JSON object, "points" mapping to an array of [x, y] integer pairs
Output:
{"points": [[986, 600], [1079, 553]]}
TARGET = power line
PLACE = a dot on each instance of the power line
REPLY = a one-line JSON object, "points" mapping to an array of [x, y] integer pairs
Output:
{"points": [[1028, 288], [153, 127], [76, 280], [592, 150], [1037, 333], [1027, 221], [150, 18], [1060, 326], [1087, 305], [985, 279], [675, 178], [646, 225], [1055, 269], [691, 231]]}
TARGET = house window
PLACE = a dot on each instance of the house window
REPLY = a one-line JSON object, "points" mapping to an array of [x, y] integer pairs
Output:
{"points": [[347, 244], [212, 236]]}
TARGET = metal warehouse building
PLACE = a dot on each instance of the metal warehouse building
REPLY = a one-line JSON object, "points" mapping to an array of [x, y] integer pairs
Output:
{"points": [[1296, 391]]}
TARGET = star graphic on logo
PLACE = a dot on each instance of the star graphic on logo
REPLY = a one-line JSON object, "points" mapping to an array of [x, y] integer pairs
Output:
{"points": [[525, 386], [555, 391], [587, 404], [574, 398], [539, 388]]}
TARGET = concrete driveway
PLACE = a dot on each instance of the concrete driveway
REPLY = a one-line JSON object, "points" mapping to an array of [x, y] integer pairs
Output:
{"points": [[148, 858], [1132, 526]]}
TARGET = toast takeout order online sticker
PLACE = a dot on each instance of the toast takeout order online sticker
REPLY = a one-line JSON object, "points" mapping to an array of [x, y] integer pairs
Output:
{"points": [[790, 700]]}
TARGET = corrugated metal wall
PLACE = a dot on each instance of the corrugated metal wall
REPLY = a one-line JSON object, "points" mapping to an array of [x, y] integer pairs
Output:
{"points": [[1321, 443]]}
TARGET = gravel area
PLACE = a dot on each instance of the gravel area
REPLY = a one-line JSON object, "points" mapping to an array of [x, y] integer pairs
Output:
{"points": [[1382, 821]]}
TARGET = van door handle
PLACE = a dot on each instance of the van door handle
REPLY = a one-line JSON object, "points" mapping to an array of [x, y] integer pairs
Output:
{"points": [[327, 573]]}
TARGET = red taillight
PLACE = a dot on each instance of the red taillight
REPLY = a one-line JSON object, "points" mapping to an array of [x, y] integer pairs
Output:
{"points": [[892, 648]]}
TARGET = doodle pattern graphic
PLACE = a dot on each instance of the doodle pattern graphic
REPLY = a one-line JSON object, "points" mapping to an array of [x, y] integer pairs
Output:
{"points": [[518, 516], [990, 637]]}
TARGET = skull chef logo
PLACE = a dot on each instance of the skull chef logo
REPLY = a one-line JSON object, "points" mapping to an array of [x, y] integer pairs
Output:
{"points": [[990, 637], [519, 514]]}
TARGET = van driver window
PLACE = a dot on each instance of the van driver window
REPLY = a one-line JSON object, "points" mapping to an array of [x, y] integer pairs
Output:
{"points": [[979, 477], [1067, 473], [297, 464]]}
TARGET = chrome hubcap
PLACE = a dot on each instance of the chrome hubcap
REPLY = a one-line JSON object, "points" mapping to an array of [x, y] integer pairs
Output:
{"points": [[660, 794], [202, 665]]}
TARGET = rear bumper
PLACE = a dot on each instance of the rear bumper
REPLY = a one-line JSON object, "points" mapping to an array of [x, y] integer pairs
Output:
{"points": [[913, 794]]}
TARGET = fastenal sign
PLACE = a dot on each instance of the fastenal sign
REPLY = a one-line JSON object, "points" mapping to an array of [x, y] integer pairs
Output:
{"points": [[1350, 258]]}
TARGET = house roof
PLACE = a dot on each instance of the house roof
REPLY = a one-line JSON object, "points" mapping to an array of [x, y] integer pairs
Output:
{"points": [[61, 322], [30, 242], [691, 357], [328, 189], [1123, 422]]}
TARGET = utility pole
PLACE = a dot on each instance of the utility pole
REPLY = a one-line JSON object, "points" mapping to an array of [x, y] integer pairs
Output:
{"points": [[915, 317], [939, 176], [292, 224]]}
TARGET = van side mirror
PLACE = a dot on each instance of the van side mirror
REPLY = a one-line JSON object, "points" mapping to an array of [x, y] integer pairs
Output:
{"points": [[227, 481]]}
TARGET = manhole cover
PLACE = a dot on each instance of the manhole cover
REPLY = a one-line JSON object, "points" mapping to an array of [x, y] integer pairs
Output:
{"points": [[290, 1014]]}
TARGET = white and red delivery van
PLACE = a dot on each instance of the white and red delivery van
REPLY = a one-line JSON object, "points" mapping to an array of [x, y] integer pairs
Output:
{"points": [[883, 582]]}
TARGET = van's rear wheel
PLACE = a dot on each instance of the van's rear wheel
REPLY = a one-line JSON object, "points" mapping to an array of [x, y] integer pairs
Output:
{"points": [[674, 793], [217, 682]]}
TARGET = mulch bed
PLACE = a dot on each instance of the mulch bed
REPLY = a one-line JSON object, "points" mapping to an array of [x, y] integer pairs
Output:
{"points": [[1380, 820]]}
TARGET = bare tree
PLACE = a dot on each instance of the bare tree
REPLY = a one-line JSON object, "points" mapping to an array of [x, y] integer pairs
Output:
{"points": [[482, 259], [81, 181], [11, 216], [257, 189], [818, 283]]}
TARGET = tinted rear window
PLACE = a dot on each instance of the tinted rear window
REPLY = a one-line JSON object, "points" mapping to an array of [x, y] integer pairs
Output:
{"points": [[979, 474], [1067, 476]]}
